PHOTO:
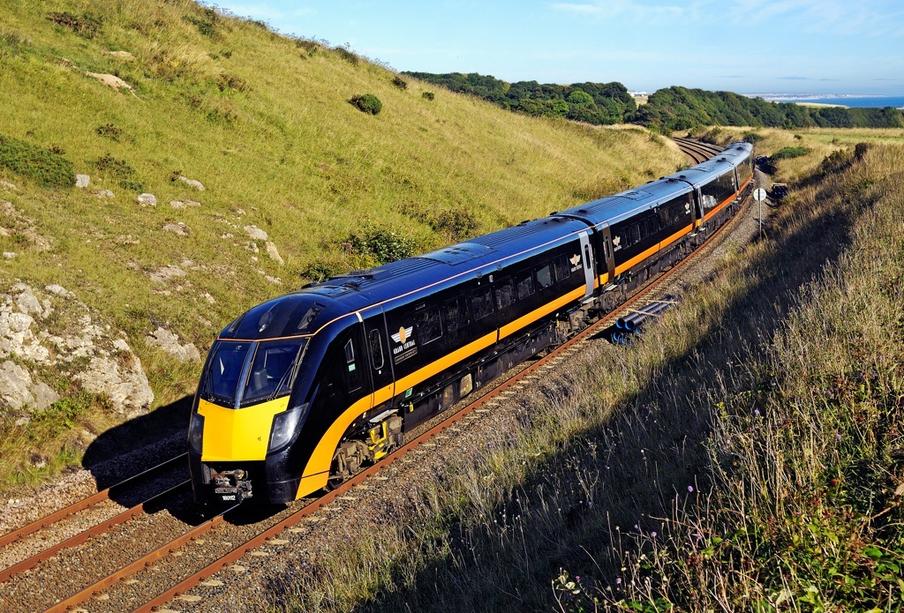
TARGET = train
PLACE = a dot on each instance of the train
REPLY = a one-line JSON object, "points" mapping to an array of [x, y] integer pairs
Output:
{"points": [[300, 392]]}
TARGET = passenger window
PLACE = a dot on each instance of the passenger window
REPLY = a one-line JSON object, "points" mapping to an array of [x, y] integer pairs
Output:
{"points": [[525, 286], [633, 234], [376, 349], [505, 295], [429, 326], [544, 276], [456, 315], [563, 269], [482, 302]]}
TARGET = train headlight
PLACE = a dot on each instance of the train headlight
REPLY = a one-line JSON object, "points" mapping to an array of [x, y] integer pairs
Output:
{"points": [[285, 425], [196, 432]]}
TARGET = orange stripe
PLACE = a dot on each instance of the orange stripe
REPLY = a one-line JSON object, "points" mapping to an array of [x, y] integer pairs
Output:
{"points": [[648, 252]]}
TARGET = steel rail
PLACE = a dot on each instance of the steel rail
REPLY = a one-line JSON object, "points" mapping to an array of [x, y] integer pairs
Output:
{"points": [[551, 358], [143, 562], [68, 511], [96, 530]]}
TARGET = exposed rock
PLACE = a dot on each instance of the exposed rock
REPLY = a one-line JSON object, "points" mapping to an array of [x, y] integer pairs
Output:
{"points": [[110, 80], [210, 299], [273, 252], [103, 193], [273, 280], [126, 239], [44, 395], [146, 199], [58, 290], [255, 233], [181, 204], [120, 344], [121, 55], [253, 248], [9, 255], [82, 181], [8, 186], [193, 183], [167, 273], [127, 388], [169, 342], [15, 386], [179, 228]]}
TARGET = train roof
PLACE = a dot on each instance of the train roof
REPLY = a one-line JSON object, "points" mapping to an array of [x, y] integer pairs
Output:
{"points": [[307, 310], [310, 308]]}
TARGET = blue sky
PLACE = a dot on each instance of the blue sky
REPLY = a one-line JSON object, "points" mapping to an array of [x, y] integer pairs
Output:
{"points": [[762, 46]]}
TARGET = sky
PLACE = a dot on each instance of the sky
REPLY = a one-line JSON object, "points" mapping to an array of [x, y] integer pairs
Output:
{"points": [[747, 46]]}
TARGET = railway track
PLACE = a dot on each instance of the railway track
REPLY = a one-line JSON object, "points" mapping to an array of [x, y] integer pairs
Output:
{"points": [[194, 576], [697, 150]]}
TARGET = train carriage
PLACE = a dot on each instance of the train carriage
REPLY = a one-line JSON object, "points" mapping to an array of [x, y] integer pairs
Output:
{"points": [[300, 391]]}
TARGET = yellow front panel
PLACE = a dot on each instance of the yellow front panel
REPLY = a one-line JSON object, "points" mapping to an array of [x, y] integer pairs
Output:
{"points": [[238, 434]]}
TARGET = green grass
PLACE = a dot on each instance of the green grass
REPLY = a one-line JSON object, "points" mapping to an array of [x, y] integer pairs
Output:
{"points": [[771, 483], [263, 121]]}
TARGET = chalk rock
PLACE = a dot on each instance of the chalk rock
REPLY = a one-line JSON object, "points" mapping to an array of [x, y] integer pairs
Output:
{"points": [[58, 290], [255, 233], [167, 273], [182, 204], [121, 55], [169, 342], [104, 193], [192, 183], [110, 80], [146, 200], [15, 386], [179, 228], [273, 252], [82, 181], [8, 186], [9, 255], [126, 386]]}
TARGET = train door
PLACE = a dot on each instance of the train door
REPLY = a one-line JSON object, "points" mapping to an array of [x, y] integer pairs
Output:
{"points": [[608, 267], [587, 260], [378, 355]]}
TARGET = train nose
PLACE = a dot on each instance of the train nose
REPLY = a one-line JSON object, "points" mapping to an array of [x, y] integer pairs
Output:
{"points": [[231, 486]]}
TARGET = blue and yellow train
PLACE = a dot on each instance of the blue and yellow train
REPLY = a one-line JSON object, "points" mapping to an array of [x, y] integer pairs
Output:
{"points": [[301, 391]]}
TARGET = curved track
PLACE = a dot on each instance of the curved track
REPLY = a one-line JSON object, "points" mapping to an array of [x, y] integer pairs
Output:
{"points": [[697, 150], [473, 410]]}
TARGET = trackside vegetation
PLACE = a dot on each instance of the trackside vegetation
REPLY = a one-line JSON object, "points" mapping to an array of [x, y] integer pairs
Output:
{"points": [[745, 454]]}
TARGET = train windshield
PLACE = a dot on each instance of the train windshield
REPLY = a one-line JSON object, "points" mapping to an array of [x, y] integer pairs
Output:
{"points": [[243, 373]]}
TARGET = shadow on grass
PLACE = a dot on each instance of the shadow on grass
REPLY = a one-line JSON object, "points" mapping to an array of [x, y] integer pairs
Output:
{"points": [[617, 478]]}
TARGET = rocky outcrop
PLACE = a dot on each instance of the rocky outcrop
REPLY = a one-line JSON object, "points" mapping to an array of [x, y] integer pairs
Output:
{"points": [[146, 199], [192, 183], [82, 181], [110, 80], [273, 252], [255, 233], [168, 341], [72, 343]]}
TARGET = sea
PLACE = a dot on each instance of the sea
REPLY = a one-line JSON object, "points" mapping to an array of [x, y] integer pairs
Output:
{"points": [[842, 100]]}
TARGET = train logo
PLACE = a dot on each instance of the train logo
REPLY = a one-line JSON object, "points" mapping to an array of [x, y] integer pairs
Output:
{"points": [[616, 242], [403, 334], [687, 208], [575, 261]]}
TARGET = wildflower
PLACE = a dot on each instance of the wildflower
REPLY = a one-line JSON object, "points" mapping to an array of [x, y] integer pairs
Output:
{"points": [[690, 489], [838, 436], [618, 581], [653, 534]]}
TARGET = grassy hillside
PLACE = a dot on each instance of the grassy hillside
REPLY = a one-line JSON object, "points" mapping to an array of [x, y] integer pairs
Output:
{"points": [[743, 455], [264, 123]]}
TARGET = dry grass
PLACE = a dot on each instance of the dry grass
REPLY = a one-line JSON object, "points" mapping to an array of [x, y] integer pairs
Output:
{"points": [[741, 456]]}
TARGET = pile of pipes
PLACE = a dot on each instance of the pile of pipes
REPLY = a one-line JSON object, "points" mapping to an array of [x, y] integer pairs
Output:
{"points": [[634, 320]]}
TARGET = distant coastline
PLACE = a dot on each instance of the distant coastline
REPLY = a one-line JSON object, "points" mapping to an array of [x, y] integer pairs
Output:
{"points": [[836, 100]]}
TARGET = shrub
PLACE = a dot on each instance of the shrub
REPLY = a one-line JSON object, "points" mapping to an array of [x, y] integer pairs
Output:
{"points": [[317, 271], [457, 223], [46, 167], [580, 97], [428, 96], [85, 25], [120, 170], [347, 55], [228, 81], [206, 25], [109, 130], [787, 153], [367, 103], [753, 137], [381, 244], [400, 82]]}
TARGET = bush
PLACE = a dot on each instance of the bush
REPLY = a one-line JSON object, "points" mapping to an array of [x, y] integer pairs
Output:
{"points": [[347, 55], [381, 244], [428, 96], [367, 103], [46, 167], [579, 97], [85, 25], [457, 223], [228, 81], [400, 82], [206, 24], [109, 130], [317, 271], [787, 153], [752, 138], [120, 170]]}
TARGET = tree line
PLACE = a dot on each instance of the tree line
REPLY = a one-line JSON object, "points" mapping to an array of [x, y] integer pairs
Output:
{"points": [[668, 109]]}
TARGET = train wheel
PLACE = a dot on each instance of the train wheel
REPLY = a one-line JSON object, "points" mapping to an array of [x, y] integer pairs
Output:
{"points": [[347, 461]]}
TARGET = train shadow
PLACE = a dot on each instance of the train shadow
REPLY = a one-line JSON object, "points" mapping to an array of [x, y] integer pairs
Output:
{"points": [[141, 444], [621, 476]]}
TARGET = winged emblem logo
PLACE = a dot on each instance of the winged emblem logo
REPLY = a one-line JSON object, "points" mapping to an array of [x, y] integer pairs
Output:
{"points": [[403, 334], [687, 207], [616, 242], [575, 259]]}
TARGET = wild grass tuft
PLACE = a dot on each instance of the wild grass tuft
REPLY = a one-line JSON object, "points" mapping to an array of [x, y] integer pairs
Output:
{"points": [[46, 167]]}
